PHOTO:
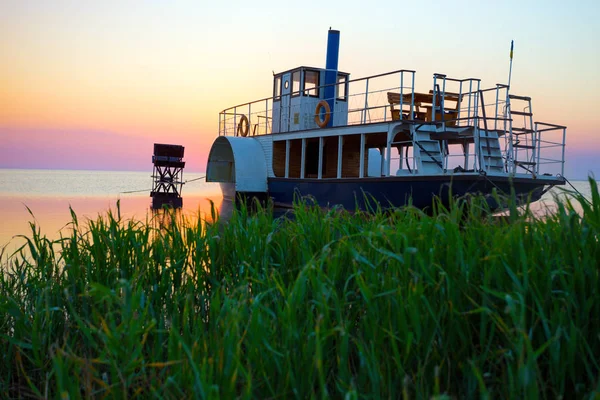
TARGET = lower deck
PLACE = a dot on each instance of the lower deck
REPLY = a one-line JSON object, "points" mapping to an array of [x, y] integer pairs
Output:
{"points": [[391, 161], [401, 148]]}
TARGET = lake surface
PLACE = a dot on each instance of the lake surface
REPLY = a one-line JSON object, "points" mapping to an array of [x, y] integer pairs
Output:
{"points": [[50, 193]]}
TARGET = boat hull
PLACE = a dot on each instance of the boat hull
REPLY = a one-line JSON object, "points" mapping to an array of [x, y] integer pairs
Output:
{"points": [[366, 193]]}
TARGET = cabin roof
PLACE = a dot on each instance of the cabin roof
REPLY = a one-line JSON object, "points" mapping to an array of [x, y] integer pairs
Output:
{"points": [[306, 67]]}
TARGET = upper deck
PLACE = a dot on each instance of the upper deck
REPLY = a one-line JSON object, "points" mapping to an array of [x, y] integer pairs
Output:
{"points": [[396, 116]]}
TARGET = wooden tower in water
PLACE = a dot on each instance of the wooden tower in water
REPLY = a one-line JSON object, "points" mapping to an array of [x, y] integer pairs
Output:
{"points": [[168, 175]]}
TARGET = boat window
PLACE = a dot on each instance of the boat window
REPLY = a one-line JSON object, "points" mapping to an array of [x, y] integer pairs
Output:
{"points": [[277, 89], [295, 83], [341, 87], [286, 84], [311, 83]]}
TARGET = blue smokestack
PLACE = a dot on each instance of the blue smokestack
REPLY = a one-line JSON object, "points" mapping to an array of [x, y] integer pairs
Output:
{"points": [[331, 65]]}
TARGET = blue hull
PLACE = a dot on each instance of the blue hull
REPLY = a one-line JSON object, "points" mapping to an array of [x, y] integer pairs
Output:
{"points": [[399, 191]]}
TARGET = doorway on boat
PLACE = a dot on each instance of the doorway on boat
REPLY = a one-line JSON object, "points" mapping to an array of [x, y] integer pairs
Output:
{"points": [[311, 161]]}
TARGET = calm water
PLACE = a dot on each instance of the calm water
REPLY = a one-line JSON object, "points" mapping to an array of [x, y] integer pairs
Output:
{"points": [[49, 193]]}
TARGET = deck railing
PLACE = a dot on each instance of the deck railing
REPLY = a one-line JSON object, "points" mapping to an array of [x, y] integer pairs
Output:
{"points": [[461, 102], [366, 101], [551, 141]]}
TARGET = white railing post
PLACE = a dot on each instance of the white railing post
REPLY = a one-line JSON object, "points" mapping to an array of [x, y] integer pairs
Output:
{"points": [[388, 150], [361, 173], [234, 120], [250, 119], [413, 132], [535, 142], [412, 98], [496, 111], [400, 157], [303, 154], [477, 101], [443, 103], [562, 170], [340, 154], [511, 151], [401, 94], [382, 163], [477, 161], [469, 105], [287, 158], [364, 119], [458, 104], [320, 171], [266, 116], [433, 100]]}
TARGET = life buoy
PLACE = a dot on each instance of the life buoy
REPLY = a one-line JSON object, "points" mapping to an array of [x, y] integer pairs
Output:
{"points": [[243, 126], [325, 105]]}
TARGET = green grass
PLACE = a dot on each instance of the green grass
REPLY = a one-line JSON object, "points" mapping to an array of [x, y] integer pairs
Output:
{"points": [[383, 305]]}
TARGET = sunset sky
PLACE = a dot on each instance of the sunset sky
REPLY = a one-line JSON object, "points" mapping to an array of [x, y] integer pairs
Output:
{"points": [[93, 84]]}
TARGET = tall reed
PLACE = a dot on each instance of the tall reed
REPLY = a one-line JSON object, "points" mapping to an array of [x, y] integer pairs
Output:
{"points": [[398, 304]]}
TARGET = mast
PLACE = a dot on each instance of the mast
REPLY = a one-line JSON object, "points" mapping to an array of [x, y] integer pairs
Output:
{"points": [[507, 114], [512, 42]]}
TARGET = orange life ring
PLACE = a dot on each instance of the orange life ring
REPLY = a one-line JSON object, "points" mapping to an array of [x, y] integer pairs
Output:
{"points": [[325, 105], [243, 126]]}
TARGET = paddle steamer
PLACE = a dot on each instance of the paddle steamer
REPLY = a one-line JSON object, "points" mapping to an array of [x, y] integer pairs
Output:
{"points": [[353, 142]]}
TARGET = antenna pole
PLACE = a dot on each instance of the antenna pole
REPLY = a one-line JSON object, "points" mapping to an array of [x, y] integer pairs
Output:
{"points": [[510, 157], [512, 42]]}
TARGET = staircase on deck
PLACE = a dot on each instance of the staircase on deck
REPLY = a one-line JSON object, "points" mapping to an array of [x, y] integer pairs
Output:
{"points": [[490, 151], [524, 135], [427, 152]]}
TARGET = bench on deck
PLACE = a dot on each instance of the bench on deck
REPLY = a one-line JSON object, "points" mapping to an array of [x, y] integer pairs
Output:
{"points": [[450, 114], [394, 98]]}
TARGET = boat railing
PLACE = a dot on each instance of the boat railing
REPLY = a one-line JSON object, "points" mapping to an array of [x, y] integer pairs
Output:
{"points": [[365, 102], [259, 120], [550, 145], [541, 145], [368, 100], [462, 102], [469, 105], [550, 153], [456, 99]]}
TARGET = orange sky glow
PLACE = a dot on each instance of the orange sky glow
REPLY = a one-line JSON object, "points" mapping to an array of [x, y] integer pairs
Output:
{"points": [[92, 85]]}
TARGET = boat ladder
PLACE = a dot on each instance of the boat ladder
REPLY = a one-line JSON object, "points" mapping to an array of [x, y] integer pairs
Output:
{"points": [[524, 135]]}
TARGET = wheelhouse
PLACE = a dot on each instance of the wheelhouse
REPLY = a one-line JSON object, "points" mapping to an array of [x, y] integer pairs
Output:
{"points": [[296, 94]]}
